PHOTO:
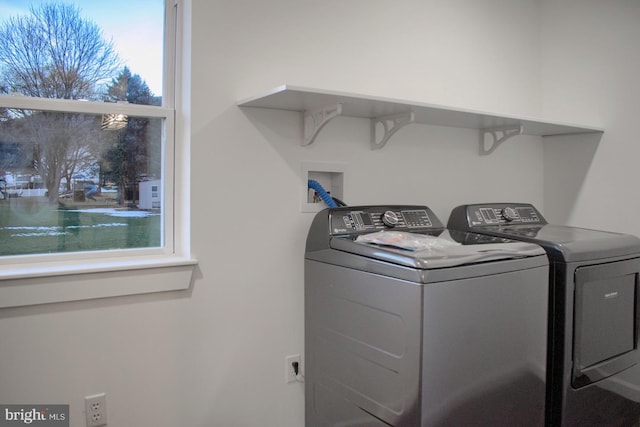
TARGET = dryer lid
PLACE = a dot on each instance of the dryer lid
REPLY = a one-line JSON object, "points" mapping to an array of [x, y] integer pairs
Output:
{"points": [[522, 221], [569, 244]]}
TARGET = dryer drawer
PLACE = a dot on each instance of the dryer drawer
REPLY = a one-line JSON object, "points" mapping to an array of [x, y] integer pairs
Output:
{"points": [[605, 337]]}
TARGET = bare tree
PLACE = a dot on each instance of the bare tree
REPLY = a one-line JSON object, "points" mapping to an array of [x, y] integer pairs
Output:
{"points": [[54, 53]]}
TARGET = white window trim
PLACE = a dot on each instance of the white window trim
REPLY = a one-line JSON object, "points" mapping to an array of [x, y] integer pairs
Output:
{"points": [[39, 279]]}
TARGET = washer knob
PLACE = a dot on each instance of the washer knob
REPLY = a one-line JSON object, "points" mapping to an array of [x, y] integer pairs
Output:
{"points": [[390, 219], [509, 214]]}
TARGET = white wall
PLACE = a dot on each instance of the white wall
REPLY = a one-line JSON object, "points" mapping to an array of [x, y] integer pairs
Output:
{"points": [[214, 356], [591, 61]]}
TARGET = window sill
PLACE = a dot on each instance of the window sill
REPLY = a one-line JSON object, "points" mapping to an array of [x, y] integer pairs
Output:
{"points": [[28, 284]]}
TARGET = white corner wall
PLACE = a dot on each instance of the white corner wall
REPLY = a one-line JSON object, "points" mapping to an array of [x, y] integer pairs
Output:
{"points": [[214, 356], [590, 59]]}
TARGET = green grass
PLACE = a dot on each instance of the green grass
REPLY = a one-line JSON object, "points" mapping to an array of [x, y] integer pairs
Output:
{"points": [[30, 225]]}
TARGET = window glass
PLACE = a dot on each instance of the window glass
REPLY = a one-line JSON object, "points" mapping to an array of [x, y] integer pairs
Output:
{"points": [[80, 177], [72, 49], [76, 182]]}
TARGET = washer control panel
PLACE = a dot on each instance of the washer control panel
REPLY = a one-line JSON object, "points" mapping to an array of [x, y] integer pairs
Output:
{"points": [[359, 219], [496, 214]]}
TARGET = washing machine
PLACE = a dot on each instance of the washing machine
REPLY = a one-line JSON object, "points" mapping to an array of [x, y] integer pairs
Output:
{"points": [[408, 325], [593, 371]]}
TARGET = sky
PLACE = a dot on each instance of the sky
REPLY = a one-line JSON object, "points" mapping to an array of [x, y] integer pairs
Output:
{"points": [[134, 26]]}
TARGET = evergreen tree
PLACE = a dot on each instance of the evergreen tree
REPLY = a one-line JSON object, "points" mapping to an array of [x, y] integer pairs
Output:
{"points": [[131, 158]]}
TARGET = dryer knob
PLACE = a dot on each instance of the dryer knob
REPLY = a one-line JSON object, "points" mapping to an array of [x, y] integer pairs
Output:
{"points": [[509, 214], [390, 219]]}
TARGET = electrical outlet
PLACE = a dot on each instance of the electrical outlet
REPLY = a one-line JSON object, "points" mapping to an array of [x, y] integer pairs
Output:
{"points": [[291, 374], [96, 409]]}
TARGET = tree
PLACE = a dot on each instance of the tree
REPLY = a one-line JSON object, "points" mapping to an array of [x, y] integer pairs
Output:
{"points": [[129, 159], [54, 53], [130, 88]]}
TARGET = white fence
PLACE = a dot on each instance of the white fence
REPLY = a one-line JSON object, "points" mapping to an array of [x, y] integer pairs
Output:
{"points": [[26, 192]]}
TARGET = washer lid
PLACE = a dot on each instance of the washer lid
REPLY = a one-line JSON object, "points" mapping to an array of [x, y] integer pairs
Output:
{"points": [[452, 252]]}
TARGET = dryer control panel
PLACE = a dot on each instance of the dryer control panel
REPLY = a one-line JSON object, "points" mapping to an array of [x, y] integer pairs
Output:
{"points": [[367, 219], [495, 214]]}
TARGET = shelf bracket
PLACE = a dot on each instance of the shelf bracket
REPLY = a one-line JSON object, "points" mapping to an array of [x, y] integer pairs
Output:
{"points": [[314, 120], [498, 136], [390, 125]]}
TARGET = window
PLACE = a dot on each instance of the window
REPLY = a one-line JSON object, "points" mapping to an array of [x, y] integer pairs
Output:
{"points": [[89, 145]]}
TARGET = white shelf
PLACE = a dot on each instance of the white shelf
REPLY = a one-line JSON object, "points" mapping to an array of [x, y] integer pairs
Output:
{"points": [[320, 106]]}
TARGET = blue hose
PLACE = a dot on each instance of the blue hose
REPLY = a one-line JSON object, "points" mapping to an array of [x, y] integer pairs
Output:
{"points": [[315, 185]]}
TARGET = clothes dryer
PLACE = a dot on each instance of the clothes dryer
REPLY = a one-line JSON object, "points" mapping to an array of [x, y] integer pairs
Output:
{"points": [[593, 372], [407, 325]]}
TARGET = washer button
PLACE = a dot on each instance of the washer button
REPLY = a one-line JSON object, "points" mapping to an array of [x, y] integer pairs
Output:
{"points": [[390, 219], [510, 214]]}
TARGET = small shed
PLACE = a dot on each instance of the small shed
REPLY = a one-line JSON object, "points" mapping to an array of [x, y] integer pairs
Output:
{"points": [[150, 194]]}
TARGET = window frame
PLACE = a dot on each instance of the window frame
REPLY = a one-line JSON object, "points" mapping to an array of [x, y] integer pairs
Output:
{"points": [[46, 278]]}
